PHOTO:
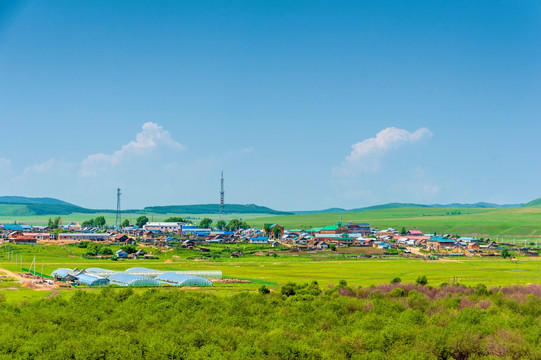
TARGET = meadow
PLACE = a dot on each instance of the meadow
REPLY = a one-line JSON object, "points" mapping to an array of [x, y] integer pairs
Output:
{"points": [[326, 267], [509, 223], [110, 217]]}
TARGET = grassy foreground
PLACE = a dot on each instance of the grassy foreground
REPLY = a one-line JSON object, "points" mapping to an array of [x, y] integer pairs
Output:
{"points": [[305, 322]]}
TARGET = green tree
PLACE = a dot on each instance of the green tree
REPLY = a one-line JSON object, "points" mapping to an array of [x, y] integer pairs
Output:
{"points": [[288, 289], [220, 224], [125, 223], [141, 220], [505, 254], [276, 232], [403, 231], [263, 290], [332, 247], [105, 250], [205, 223], [99, 221], [234, 224], [54, 224], [88, 223], [396, 280], [267, 229], [175, 219], [130, 249], [421, 280]]}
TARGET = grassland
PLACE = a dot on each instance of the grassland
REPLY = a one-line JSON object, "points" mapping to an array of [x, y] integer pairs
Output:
{"points": [[110, 217], [510, 222], [505, 223], [326, 267]]}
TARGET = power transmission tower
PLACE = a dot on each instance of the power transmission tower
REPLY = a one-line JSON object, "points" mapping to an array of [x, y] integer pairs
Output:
{"points": [[222, 193], [118, 219]]}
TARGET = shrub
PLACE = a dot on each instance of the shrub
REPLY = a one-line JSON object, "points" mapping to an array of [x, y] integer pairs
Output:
{"points": [[288, 289], [396, 280], [397, 292], [421, 280]]}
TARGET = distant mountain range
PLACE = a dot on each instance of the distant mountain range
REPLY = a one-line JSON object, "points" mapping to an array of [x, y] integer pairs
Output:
{"points": [[479, 205], [26, 206]]}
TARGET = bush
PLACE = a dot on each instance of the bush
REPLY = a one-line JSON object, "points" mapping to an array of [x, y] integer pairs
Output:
{"points": [[396, 280], [263, 290], [288, 289], [397, 292], [421, 280]]}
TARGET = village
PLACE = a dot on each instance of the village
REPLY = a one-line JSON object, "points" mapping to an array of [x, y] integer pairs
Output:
{"points": [[186, 234]]}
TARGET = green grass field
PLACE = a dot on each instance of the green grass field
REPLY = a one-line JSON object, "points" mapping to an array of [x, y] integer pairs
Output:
{"points": [[511, 223], [508, 223], [326, 267], [110, 217]]}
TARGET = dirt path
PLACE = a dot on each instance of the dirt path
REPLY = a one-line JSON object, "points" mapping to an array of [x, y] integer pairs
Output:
{"points": [[53, 294], [416, 251], [13, 275]]}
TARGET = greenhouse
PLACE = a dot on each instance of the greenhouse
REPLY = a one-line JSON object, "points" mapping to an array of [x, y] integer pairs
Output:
{"points": [[92, 280], [142, 271], [63, 273], [125, 279], [174, 279], [208, 274], [100, 272]]}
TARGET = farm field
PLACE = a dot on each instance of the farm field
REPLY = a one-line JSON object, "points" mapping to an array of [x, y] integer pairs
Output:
{"points": [[506, 223], [326, 267]]}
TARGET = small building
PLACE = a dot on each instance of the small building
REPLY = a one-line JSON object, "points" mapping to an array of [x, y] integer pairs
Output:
{"points": [[121, 254], [259, 240], [83, 236], [415, 232], [169, 227]]}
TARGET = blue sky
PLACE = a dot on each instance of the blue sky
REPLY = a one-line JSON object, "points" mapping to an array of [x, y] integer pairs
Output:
{"points": [[304, 105]]}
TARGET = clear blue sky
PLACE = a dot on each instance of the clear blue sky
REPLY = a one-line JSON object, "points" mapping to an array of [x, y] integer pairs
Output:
{"points": [[304, 104]]}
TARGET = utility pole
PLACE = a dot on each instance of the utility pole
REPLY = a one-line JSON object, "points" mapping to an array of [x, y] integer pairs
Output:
{"points": [[118, 219]]}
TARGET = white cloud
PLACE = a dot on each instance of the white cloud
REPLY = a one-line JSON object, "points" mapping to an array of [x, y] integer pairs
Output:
{"points": [[152, 137], [365, 155]]}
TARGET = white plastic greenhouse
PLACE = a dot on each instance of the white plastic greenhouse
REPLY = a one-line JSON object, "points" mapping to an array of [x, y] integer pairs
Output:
{"points": [[174, 279], [124, 279]]}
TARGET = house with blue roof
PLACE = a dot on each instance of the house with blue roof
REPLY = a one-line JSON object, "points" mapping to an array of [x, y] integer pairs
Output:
{"points": [[259, 240], [440, 242]]}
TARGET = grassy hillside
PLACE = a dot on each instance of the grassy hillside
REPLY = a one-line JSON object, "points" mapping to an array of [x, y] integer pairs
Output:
{"points": [[214, 209], [492, 222], [536, 202], [27, 200]]}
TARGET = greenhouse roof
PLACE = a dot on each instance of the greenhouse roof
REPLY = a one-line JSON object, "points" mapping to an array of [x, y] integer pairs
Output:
{"points": [[100, 272], [126, 279], [63, 272], [175, 279], [143, 271], [92, 280]]}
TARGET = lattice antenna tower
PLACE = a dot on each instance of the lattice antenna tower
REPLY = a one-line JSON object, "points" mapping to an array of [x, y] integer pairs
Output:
{"points": [[222, 193], [118, 219]]}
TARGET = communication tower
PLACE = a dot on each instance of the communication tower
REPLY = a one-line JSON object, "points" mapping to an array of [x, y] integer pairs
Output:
{"points": [[222, 193], [118, 219]]}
